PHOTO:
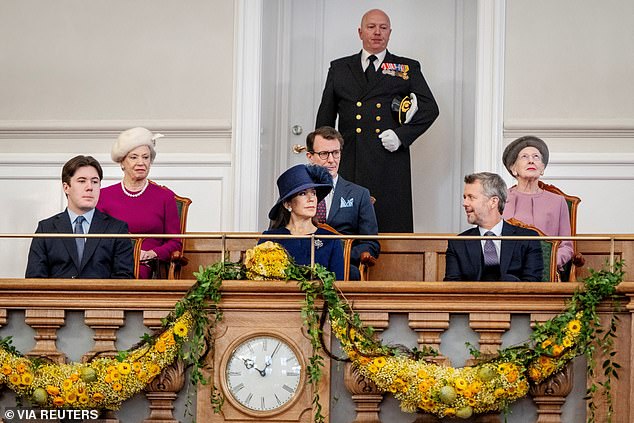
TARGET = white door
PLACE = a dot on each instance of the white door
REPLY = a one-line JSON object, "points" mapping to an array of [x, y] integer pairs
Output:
{"points": [[310, 33]]}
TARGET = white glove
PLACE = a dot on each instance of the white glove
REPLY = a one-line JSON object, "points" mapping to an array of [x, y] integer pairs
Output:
{"points": [[390, 140], [413, 108]]}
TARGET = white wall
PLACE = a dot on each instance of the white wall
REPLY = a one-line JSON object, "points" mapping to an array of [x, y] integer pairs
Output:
{"points": [[568, 80]]}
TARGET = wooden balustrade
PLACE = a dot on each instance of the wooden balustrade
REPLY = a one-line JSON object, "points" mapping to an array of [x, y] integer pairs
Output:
{"points": [[427, 305]]}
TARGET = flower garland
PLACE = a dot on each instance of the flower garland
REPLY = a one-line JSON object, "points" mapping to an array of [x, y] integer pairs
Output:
{"points": [[188, 333]]}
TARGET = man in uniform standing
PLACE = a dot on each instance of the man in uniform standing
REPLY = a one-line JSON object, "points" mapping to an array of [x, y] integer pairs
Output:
{"points": [[363, 90]]}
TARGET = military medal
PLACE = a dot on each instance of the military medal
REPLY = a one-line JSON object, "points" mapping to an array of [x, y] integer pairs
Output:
{"points": [[395, 69]]}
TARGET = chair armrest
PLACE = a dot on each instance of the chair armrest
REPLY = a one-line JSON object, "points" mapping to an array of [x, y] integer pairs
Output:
{"points": [[177, 261], [367, 259]]}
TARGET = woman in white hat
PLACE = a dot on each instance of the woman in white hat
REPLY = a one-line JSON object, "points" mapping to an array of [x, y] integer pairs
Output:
{"points": [[144, 205], [301, 187]]}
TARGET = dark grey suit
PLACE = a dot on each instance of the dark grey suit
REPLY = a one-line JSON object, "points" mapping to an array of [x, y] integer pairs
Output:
{"points": [[103, 258], [519, 260]]}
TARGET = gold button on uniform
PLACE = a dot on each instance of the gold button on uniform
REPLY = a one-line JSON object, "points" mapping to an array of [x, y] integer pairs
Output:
{"points": [[359, 104], [378, 118], [358, 130], [377, 130], [358, 117], [378, 105]]}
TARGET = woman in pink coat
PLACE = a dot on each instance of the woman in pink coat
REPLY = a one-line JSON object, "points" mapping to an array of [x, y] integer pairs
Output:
{"points": [[526, 158]]}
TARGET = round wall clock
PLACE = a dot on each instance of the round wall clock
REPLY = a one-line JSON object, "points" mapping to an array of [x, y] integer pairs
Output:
{"points": [[263, 373]]}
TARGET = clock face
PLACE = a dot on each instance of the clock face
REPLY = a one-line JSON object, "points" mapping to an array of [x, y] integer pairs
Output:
{"points": [[263, 373]]}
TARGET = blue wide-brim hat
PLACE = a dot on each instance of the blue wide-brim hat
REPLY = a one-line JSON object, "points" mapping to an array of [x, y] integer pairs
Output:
{"points": [[299, 178]]}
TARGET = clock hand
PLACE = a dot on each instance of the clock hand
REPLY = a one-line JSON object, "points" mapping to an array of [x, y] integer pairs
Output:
{"points": [[248, 363], [263, 371]]}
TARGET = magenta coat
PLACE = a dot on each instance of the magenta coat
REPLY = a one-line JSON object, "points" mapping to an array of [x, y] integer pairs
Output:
{"points": [[153, 212]]}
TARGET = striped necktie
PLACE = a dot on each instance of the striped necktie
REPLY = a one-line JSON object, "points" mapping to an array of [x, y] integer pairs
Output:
{"points": [[490, 253]]}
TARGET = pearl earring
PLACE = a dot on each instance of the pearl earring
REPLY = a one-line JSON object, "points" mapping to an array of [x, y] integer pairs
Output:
{"points": [[289, 209]]}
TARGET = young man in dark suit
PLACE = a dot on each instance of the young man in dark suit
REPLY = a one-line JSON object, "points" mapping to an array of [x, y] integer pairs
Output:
{"points": [[92, 258], [348, 207], [491, 260], [361, 90]]}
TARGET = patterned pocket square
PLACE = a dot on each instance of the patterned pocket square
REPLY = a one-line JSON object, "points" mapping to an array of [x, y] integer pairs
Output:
{"points": [[345, 203]]}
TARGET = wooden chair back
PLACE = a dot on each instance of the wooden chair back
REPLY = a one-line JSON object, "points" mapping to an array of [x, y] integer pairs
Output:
{"points": [[347, 249], [549, 252], [408, 260]]}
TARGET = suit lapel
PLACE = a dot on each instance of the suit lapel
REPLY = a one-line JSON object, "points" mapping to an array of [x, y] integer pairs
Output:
{"points": [[357, 71], [506, 252], [97, 226], [336, 198], [63, 226], [474, 252]]}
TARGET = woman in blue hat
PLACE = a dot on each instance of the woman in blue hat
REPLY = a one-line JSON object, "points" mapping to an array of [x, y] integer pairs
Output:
{"points": [[301, 188]]}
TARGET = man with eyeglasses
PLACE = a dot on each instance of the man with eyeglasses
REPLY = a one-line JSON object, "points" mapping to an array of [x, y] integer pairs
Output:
{"points": [[361, 91], [348, 207]]}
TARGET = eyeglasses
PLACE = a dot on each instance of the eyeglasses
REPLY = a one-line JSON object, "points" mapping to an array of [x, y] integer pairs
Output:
{"points": [[324, 154], [527, 157]]}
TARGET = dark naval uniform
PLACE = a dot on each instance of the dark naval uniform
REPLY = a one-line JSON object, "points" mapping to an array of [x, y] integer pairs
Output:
{"points": [[364, 111]]}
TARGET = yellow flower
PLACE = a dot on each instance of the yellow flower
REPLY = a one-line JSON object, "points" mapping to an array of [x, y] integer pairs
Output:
{"points": [[83, 399], [27, 379], [557, 350], [74, 377], [574, 326], [450, 411], [67, 385], [160, 346], [422, 373], [115, 375], [567, 342], [534, 373], [21, 368], [472, 402], [180, 329], [154, 369], [460, 383], [547, 343], [58, 401], [512, 376], [6, 369], [372, 368], [379, 362], [117, 386], [137, 367], [97, 397], [15, 379], [498, 392], [70, 397], [108, 379], [363, 360], [52, 390], [124, 368]]}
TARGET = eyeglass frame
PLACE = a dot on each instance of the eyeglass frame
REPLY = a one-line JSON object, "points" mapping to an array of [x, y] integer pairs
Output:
{"points": [[336, 154], [526, 157]]}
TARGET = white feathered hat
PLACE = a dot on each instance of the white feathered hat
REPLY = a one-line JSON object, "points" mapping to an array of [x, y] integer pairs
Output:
{"points": [[132, 138]]}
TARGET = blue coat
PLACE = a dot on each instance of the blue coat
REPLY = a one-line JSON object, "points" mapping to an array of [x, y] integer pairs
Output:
{"points": [[103, 258], [352, 213], [329, 254], [519, 260]]}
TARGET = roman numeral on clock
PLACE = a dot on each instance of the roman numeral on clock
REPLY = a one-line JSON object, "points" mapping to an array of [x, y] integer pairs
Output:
{"points": [[287, 388]]}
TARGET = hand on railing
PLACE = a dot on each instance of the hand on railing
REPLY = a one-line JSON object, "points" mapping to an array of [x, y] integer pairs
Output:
{"points": [[578, 260]]}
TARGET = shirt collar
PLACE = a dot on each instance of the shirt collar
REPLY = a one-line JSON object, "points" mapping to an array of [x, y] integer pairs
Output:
{"points": [[366, 54], [497, 229], [88, 216]]}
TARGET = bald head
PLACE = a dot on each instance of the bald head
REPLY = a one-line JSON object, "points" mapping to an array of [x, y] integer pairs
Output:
{"points": [[375, 30]]}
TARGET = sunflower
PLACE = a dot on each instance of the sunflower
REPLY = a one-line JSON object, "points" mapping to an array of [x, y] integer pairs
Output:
{"points": [[574, 326], [181, 329]]}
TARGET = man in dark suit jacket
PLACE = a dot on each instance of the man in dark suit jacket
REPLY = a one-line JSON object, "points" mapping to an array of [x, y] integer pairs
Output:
{"points": [[362, 94], [92, 258], [505, 260], [348, 208]]}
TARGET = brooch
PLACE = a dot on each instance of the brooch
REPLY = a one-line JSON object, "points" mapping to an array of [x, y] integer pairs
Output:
{"points": [[319, 243]]}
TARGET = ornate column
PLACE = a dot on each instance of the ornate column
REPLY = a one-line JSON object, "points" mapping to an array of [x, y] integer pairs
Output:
{"points": [[164, 389], [105, 323], [45, 323], [366, 397], [490, 328], [550, 395], [429, 327]]}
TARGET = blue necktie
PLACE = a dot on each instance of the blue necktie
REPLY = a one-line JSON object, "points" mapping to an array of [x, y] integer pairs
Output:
{"points": [[490, 253], [79, 229]]}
